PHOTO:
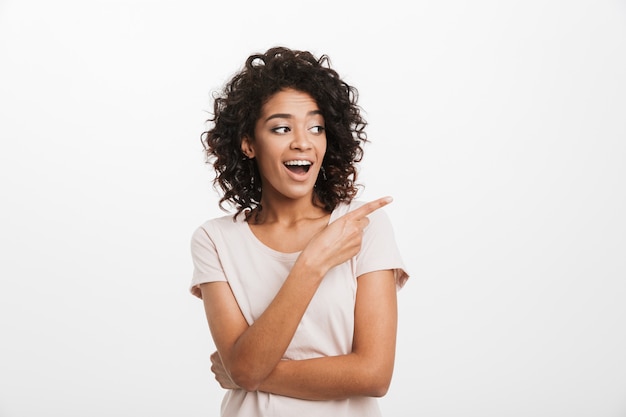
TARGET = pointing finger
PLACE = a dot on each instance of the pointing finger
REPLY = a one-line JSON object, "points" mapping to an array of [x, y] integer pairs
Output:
{"points": [[370, 207]]}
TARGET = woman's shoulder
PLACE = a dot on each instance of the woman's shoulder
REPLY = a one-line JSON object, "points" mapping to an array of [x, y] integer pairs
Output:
{"points": [[221, 224]]}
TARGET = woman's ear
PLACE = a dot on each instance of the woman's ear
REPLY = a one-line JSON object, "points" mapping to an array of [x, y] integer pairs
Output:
{"points": [[246, 147]]}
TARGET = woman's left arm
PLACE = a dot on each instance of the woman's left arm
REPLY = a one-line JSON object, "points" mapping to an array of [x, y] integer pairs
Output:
{"points": [[367, 370]]}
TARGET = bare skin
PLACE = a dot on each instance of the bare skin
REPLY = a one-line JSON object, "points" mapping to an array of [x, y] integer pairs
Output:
{"points": [[367, 370], [250, 356]]}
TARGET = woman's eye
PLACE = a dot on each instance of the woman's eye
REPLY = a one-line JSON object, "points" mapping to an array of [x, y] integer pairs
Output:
{"points": [[317, 129], [281, 129]]}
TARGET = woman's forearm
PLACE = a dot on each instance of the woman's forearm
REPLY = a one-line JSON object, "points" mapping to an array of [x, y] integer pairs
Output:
{"points": [[254, 351], [367, 370], [330, 378]]}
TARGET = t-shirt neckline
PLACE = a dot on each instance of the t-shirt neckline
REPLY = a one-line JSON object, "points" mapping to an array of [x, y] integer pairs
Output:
{"points": [[288, 256]]}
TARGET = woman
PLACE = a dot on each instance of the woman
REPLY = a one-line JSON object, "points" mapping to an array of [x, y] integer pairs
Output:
{"points": [[299, 285]]}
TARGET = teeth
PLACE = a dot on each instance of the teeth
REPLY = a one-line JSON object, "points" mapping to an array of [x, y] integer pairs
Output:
{"points": [[300, 163]]}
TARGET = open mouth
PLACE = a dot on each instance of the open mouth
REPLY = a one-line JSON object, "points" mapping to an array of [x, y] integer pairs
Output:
{"points": [[298, 167]]}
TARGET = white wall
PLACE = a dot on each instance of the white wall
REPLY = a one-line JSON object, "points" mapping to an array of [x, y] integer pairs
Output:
{"points": [[499, 128]]}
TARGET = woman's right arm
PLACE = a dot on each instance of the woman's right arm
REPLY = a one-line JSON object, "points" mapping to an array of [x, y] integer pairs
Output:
{"points": [[250, 353]]}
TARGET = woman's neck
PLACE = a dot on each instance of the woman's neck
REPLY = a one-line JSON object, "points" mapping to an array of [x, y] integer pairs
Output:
{"points": [[287, 212]]}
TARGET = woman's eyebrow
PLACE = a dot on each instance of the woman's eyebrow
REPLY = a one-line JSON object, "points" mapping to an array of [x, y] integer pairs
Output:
{"points": [[279, 116], [290, 116]]}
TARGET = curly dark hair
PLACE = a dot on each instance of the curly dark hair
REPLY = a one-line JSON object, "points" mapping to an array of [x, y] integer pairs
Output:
{"points": [[237, 108]]}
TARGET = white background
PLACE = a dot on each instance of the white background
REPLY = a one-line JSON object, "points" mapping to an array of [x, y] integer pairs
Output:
{"points": [[499, 128]]}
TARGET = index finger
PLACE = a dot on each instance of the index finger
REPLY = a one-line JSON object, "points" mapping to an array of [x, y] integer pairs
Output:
{"points": [[370, 207]]}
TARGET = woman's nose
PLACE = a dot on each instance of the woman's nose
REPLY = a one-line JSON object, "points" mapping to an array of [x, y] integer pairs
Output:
{"points": [[300, 140]]}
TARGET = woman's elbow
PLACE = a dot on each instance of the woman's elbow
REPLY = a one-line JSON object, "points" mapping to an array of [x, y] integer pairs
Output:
{"points": [[379, 382], [381, 377], [245, 380], [379, 388]]}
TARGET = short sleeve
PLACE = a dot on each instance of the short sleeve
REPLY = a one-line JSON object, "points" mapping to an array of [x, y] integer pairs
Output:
{"points": [[379, 250], [206, 263]]}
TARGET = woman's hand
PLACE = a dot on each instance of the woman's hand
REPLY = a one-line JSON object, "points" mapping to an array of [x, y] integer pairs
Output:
{"points": [[341, 240], [221, 376]]}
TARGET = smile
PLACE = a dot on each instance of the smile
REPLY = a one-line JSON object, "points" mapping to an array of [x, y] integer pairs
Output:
{"points": [[298, 166]]}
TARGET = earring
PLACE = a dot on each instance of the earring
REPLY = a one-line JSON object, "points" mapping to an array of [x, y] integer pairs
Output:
{"points": [[251, 170], [323, 172]]}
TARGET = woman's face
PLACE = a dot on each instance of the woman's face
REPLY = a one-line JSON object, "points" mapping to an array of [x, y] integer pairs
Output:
{"points": [[289, 145]]}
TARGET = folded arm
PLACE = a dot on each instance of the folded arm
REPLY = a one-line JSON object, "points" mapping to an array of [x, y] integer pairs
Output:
{"points": [[367, 370], [251, 353]]}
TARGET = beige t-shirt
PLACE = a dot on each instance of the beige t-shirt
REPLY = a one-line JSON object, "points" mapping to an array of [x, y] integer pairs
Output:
{"points": [[227, 250]]}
